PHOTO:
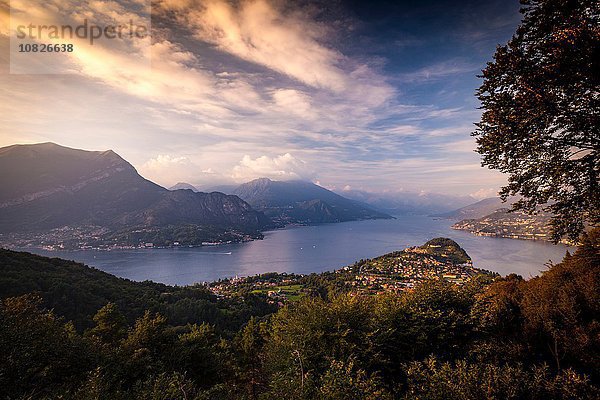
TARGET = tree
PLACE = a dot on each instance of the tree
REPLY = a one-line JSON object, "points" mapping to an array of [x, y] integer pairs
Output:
{"points": [[561, 308], [40, 356], [343, 381], [248, 346], [199, 355], [432, 380], [541, 114], [111, 325], [148, 348]]}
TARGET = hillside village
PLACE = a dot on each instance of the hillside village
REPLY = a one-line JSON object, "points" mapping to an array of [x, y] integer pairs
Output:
{"points": [[513, 225], [438, 259]]}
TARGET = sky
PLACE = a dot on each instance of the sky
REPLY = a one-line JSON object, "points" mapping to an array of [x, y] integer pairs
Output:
{"points": [[375, 96]]}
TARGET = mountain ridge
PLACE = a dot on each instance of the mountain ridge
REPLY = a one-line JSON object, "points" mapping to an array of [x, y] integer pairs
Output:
{"points": [[184, 186], [303, 202], [478, 209], [408, 203], [52, 186]]}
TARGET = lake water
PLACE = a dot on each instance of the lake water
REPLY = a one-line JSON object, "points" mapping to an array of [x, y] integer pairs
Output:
{"points": [[314, 249]]}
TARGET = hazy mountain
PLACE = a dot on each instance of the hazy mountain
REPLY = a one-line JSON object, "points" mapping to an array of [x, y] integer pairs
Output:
{"points": [[515, 225], [49, 186], [402, 203], [303, 202], [227, 189], [184, 185], [491, 217], [479, 209]]}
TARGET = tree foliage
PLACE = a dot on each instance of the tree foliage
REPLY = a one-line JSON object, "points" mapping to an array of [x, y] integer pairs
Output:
{"points": [[541, 119], [501, 338], [432, 380], [78, 292], [111, 325]]}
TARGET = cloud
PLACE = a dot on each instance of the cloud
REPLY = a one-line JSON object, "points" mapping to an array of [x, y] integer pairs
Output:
{"points": [[4, 19], [294, 102], [166, 169], [285, 40], [243, 89], [484, 193], [332, 93], [139, 67], [258, 32], [440, 70], [281, 167]]}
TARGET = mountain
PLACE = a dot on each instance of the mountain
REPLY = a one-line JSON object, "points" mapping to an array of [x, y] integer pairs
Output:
{"points": [[491, 217], [302, 202], [227, 189], [409, 203], [478, 210], [513, 225], [184, 185], [52, 187]]}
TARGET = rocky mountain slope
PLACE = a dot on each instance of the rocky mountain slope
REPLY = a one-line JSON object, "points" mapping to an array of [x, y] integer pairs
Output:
{"points": [[303, 202], [47, 186]]}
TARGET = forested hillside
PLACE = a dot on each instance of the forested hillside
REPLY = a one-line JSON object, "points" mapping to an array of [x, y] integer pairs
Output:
{"points": [[76, 292], [504, 339]]}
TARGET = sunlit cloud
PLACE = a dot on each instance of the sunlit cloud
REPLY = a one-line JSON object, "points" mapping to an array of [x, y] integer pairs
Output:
{"points": [[163, 169], [239, 90], [256, 31], [484, 193], [168, 170], [282, 167]]}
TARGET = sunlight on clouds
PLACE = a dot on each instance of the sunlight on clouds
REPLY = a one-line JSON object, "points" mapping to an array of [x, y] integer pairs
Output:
{"points": [[256, 31], [484, 193], [289, 43], [282, 167], [4, 19], [162, 161], [167, 170], [294, 101], [241, 103], [125, 65], [175, 4], [252, 83], [87, 57]]}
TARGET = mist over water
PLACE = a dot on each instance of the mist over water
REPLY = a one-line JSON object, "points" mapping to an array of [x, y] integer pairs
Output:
{"points": [[315, 249]]}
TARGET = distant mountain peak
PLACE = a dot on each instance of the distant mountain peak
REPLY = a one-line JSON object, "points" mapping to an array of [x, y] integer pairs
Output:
{"points": [[259, 183], [184, 186], [261, 180], [110, 153], [51, 186], [298, 201], [478, 209], [404, 202], [50, 146]]}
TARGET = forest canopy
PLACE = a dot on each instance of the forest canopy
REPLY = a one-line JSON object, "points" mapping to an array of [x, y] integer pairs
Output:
{"points": [[502, 338]]}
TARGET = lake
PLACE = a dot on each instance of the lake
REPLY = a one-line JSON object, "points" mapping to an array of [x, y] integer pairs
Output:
{"points": [[314, 249]]}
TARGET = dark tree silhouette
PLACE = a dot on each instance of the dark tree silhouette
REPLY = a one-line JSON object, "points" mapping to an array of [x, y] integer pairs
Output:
{"points": [[541, 105]]}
